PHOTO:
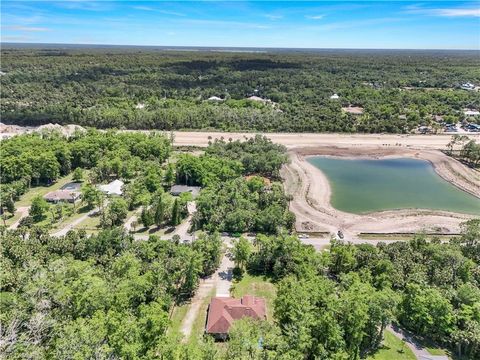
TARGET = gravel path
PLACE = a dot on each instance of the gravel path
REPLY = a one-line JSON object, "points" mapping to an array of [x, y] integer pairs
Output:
{"points": [[420, 352]]}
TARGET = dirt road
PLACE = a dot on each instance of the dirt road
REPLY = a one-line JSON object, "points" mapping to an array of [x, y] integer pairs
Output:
{"points": [[74, 223], [23, 210], [293, 140]]}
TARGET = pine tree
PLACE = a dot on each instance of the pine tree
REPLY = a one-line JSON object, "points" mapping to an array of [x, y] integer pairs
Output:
{"points": [[176, 213]]}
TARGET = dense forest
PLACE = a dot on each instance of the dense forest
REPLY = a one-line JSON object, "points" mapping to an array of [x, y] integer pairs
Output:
{"points": [[104, 296], [107, 296], [153, 89], [241, 190]]}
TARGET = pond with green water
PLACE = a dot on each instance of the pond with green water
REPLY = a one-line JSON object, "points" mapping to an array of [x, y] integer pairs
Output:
{"points": [[361, 186]]}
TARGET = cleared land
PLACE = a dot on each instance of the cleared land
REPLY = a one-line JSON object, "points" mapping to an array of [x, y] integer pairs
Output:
{"points": [[295, 140]]}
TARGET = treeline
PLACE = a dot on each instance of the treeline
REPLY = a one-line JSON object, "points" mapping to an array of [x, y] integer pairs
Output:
{"points": [[469, 151], [168, 90], [103, 296], [337, 304], [107, 296]]}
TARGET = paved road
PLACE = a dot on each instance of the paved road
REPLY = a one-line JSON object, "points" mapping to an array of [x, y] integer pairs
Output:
{"points": [[420, 352], [320, 243]]}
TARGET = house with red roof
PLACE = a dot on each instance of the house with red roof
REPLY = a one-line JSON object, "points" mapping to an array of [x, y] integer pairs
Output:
{"points": [[223, 311]]}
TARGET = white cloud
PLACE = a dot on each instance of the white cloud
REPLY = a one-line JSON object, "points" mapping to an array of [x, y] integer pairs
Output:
{"points": [[444, 12], [144, 8], [27, 28], [274, 17], [314, 17], [16, 38], [458, 12], [166, 12]]}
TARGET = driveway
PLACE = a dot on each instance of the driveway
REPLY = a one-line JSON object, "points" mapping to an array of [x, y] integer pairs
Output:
{"points": [[420, 352], [23, 210], [221, 281], [74, 223]]}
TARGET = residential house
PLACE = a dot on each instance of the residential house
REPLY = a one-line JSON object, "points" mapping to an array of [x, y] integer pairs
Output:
{"points": [[223, 311], [112, 188], [59, 196]]}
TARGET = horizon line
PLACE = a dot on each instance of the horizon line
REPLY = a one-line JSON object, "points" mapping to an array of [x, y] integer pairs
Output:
{"points": [[231, 47]]}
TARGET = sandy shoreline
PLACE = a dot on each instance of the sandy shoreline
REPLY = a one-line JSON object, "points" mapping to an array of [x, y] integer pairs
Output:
{"points": [[311, 193], [449, 169]]}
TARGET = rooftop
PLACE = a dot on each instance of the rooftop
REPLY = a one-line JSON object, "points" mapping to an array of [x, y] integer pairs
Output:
{"points": [[223, 311], [113, 188], [215, 98], [62, 195], [180, 189], [356, 110]]}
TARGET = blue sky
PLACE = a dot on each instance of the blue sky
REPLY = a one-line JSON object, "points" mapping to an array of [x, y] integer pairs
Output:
{"points": [[311, 24]]}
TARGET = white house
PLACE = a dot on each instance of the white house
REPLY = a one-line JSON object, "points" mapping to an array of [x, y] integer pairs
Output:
{"points": [[334, 97], [113, 188], [471, 112], [214, 98], [467, 86]]}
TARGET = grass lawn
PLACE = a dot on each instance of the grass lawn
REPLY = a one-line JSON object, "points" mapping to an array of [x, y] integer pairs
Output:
{"points": [[393, 349], [176, 319], [198, 327], [435, 351], [152, 230], [258, 286], [26, 199], [91, 223]]}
